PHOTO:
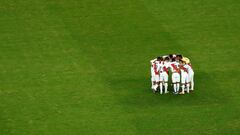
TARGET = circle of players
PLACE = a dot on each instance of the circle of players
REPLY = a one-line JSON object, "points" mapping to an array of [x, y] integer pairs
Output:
{"points": [[181, 73]]}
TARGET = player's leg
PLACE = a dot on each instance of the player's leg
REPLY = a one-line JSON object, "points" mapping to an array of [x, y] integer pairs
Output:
{"points": [[175, 87], [161, 87], [183, 88], [192, 81], [161, 84], [174, 81], [157, 79], [182, 84], [187, 82], [187, 85], [166, 83], [178, 81], [152, 82]]}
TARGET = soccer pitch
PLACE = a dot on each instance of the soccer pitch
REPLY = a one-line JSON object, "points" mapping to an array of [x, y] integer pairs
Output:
{"points": [[70, 67]]}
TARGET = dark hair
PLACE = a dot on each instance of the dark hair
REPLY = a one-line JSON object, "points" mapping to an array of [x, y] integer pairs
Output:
{"points": [[173, 59], [171, 56], [160, 58], [179, 55], [167, 58]]}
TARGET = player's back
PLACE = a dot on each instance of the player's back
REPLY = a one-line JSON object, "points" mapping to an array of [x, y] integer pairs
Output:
{"points": [[189, 68], [156, 66], [185, 68], [174, 66], [161, 66]]}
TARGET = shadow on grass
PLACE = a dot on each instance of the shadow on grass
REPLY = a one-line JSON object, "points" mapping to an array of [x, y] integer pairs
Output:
{"points": [[136, 92]]}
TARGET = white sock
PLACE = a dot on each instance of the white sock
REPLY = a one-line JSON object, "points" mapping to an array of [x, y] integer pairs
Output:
{"points": [[192, 85], [175, 87], [188, 88], [166, 87], [183, 88], [161, 87], [178, 85]]}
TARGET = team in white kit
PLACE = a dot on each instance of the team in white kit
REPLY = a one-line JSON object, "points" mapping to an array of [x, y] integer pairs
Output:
{"points": [[181, 71]]}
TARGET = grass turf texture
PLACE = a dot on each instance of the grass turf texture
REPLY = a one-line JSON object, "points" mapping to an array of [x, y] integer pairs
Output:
{"points": [[82, 67]]}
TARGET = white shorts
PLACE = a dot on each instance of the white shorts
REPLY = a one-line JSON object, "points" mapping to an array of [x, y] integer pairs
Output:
{"points": [[163, 77], [175, 77], [190, 76], [155, 78], [184, 78]]}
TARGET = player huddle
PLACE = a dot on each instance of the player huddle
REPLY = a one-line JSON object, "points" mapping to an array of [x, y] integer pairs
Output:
{"points": [[181, 74]]}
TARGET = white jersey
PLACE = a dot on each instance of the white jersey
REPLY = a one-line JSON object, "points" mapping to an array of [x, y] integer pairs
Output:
{"points": [[167, 64], [163, 66], [190, 69], [173, 66], [152, 65], [186, 69], [163, 69], [155, 67]]}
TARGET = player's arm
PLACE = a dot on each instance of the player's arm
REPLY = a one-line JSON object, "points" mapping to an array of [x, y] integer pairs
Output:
{"points": [[151, 61], [183, 68]]}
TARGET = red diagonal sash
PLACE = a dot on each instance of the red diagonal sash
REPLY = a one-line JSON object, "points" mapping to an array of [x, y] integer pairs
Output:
{"points": [[165, 69], [183, 68], [190, 65], [174, 66]]}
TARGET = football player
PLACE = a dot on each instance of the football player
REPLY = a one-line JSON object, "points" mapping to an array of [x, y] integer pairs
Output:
{"points": [[163, 70], [191, 77], [184, 76], [191, 73], [155, 74], [174, 66], [152, 72]]}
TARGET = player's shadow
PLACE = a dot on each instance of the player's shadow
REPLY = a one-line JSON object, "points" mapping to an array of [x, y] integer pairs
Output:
{"points": [[136, 92]]}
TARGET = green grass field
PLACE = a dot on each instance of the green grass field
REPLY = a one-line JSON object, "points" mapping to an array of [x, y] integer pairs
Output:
{"points": [[71, 67]]}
